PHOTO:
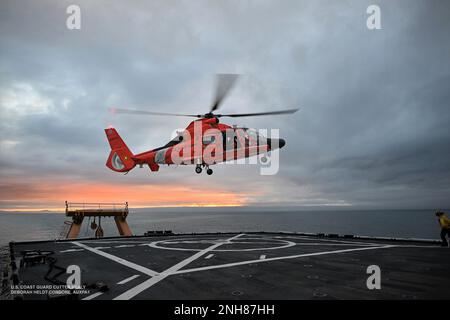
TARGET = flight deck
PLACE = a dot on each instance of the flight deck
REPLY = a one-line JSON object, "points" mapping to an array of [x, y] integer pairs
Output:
{"points": [[234, 266]]}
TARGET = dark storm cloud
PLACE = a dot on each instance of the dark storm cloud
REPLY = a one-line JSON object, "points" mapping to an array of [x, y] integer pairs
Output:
{"points": [[373, 125]]}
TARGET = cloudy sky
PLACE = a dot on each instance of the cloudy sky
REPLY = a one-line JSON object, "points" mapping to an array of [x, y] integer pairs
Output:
{"points": [[373, 129]]}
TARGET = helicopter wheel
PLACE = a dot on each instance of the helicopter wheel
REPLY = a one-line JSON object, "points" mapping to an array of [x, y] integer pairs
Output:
{"points": [[209, 172], [264, 159], [198, 169]]}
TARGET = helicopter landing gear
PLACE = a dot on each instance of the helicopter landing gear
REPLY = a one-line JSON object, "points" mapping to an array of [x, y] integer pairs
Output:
{"points": [[199, 169], [208, 170], [265, 158]]}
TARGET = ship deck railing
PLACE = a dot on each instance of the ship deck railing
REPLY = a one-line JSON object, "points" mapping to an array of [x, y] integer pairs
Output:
{"points": [[96, 209]]}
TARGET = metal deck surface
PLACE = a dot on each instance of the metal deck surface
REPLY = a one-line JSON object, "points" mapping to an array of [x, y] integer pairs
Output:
{"points": [[246, 266]]}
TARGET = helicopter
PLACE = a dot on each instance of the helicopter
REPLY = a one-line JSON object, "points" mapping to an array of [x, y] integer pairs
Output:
{"points": [[205, 141]]}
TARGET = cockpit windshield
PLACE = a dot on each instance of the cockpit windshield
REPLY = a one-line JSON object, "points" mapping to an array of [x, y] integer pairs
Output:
{"points": [[251, 133]]}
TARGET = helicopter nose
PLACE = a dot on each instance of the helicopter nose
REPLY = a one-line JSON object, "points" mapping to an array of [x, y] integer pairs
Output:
{"points": [[277, 143]]}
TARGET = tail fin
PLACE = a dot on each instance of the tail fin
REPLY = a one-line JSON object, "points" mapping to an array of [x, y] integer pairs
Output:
{"points": [[120, 157]]}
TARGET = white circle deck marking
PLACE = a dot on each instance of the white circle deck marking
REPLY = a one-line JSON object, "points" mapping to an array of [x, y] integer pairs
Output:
{"points": [[276, 244]]}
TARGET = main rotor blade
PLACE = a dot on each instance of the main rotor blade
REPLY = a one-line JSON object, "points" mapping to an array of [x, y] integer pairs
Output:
{"points": [[132, 111], [236, 115], [224, 84]]}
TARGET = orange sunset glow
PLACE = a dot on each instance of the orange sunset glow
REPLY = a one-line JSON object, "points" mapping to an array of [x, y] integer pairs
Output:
{"points": [[51, 196]]}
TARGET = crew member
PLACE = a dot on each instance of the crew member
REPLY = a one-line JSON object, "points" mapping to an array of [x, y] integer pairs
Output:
{"points": [[444, 222]]}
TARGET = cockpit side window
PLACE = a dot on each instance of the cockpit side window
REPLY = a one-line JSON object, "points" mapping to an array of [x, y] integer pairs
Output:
{"points": [[230, 140], [208, 139], [252, 134]]}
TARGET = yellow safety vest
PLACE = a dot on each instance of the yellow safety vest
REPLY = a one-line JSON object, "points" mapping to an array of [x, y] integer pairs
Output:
{"points": [[444, 222]]}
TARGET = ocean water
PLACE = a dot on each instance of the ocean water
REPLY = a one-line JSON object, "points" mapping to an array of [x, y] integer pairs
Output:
{"points": [[391, 223]]}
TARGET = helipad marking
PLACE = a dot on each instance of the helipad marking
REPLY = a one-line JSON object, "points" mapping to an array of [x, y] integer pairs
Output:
{"points": [[125, 246], [281, 244], [161, 276], [333, 244], [419, 246], [331, 240], [128, 279], [71, 250], [359, 243], [93, 296], [113, 241], [227, 265], [124, 262]]}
